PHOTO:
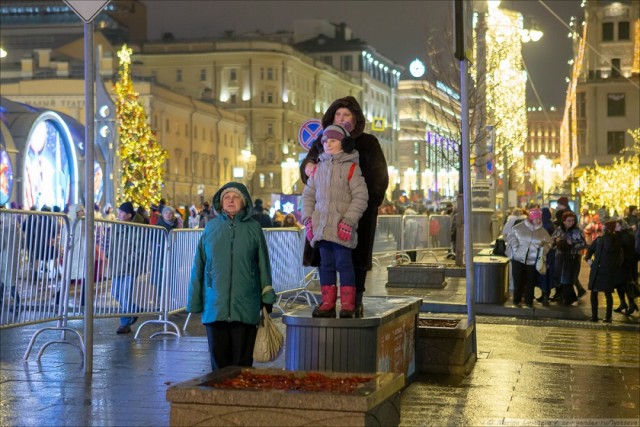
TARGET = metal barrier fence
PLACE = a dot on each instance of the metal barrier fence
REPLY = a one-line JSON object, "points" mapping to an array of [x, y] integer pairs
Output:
{"points": [[405, 238], [143, 270], [32, 270], [287, 272]]}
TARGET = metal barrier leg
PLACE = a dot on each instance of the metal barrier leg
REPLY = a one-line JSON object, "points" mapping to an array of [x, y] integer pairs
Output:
{"points": [[186, 323], [81, 346], [163, 320]]}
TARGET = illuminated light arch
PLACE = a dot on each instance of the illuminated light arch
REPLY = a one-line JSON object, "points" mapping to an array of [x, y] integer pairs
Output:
{"points": [[50, 163]]}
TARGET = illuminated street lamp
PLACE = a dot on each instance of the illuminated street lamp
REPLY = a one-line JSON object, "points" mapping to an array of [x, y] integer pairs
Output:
{"points": [[547, 175], [410, 180], [290, 174], [394, 178]]}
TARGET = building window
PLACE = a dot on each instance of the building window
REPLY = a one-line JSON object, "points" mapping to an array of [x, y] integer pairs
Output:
{"points": [[233, 75], [271, 153], [347, 62], [262, 97], [178, 75], [269, 73], [615, 67], [416, 148], [607, 31], [623, 31], [615, 105], [261, 180], [269, 98], [270, 129], [233, 98], [203, 75], [186, 166], [581, 107], [167, 125], [615, 142]]}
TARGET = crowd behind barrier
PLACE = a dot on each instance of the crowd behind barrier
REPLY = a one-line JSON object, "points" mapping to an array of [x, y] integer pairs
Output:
{"points": [[143, 270]]}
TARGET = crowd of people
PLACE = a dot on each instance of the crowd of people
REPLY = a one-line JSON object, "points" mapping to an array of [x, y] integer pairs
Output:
{"points": [[547, 250]]}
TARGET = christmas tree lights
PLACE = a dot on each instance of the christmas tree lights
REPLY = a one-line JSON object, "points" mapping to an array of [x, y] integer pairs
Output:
{"points": [[140, 155]]}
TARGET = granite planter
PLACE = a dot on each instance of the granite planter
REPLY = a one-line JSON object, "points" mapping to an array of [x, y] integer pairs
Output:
{"points": [[444, 346], [198, 402], [416, 275]]}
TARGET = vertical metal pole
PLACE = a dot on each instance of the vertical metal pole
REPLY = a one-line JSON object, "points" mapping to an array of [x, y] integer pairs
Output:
{"points": [[89, 100], [505, 184], [466, 167]]}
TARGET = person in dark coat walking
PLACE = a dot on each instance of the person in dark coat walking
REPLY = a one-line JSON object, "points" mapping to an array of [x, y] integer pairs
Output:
{"points": [[605, 258], [376, 175], [568, 241]]}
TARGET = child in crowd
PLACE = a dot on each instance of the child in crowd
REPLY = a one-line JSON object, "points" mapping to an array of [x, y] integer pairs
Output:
{"points": [[333, 200]]}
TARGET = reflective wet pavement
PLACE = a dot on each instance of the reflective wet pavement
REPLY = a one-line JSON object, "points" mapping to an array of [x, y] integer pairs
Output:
{"points": [[531, 370]]}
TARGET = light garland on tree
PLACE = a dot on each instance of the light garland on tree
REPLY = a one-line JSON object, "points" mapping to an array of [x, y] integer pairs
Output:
{"points": [[140, 155], [506, 82], [616, 186]]}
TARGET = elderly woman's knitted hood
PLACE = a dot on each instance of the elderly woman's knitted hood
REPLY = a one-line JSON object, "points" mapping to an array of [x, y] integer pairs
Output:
{"points": [[246, 212], [353, 106]]}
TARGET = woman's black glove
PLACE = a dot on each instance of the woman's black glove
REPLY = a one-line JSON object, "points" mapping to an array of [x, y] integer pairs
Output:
{"points": [[269, 307]]}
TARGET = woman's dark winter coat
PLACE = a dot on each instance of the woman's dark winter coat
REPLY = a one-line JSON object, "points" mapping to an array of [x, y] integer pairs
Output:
{"points": [[605, 273], [567, 258], [630, 260], [374, 171]]}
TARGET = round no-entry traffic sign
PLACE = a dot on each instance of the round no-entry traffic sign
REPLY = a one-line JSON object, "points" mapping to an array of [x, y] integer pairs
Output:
{"points": [[309, 132]]}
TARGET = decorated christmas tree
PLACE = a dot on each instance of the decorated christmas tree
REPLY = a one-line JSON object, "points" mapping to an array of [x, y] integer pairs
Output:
{"points": [[140, 155]]}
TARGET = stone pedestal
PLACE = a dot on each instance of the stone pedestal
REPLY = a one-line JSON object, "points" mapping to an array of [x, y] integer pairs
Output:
{"points": [[416, 275], [444, 349], [197, 403], [383, 340]]}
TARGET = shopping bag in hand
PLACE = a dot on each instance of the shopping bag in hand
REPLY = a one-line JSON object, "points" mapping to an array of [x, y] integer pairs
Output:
{"points": [[269, 340]]}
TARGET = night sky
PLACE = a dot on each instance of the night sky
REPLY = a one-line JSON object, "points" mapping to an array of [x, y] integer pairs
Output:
{"points": [[397, 29]]}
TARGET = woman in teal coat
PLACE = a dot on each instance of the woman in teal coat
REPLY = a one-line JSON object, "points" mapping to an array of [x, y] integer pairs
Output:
{"points": [[231, 278]]}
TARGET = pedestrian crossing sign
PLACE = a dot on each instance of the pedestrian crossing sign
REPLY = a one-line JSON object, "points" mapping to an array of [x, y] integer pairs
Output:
{"points": [[378, 124]]}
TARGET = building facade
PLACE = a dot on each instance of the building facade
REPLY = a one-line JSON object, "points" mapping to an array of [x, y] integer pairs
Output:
{"points": [[428, 144], [273, 85], [605, 103], [205, 143], [377, 75]]}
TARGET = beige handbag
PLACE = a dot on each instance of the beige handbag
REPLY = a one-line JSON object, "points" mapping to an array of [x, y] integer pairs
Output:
{"points": [[541, 262], [269, 339]]}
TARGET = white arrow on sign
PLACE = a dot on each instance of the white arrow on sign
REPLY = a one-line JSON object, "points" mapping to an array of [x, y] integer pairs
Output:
{"points": [[87, 10]]}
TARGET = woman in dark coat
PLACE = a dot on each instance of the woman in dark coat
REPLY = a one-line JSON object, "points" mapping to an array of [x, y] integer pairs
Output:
{"points": [[568, 241], [629, 270], [376, 175], [605, 258]]}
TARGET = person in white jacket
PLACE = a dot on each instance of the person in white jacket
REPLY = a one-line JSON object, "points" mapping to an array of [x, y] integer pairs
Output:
{"points": [[528, 240]]}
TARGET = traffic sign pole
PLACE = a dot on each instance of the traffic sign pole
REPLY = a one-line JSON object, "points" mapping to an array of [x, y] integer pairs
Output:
{"points": [[87, 11]]}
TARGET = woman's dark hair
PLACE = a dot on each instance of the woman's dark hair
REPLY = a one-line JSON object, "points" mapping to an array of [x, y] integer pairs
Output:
{"points": [[568, 214]]}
